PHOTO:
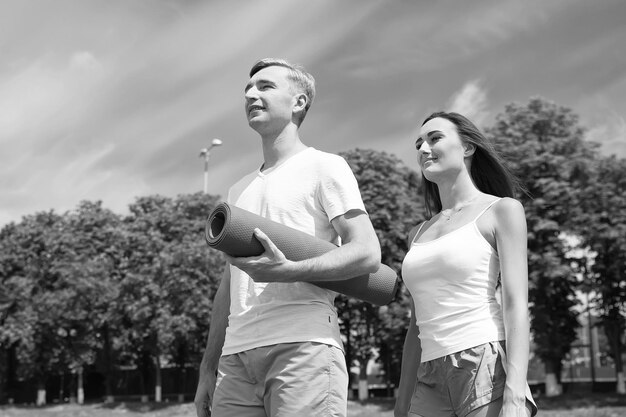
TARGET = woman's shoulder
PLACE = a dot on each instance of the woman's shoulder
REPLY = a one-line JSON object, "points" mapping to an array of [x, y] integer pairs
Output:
{"points": [[507, 212], [508, 206], [501, 213]]}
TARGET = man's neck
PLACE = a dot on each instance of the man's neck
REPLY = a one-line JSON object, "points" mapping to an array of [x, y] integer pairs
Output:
{"points": [[277, 148]]}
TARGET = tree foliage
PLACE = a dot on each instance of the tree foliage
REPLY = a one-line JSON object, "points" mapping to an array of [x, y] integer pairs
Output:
{"points": [[31, 277], [90, 288], [545, 147], [602, 226], [168, 280], [390, 191]]}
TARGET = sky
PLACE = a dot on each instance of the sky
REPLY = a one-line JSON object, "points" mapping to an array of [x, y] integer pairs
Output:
{"points": [[111, 100]]}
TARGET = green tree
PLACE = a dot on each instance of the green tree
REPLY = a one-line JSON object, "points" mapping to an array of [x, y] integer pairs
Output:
{"points": [[195, 272], [169, 280], [15, 290], [602, 220], [87, 288], [91, 266], [39, 294], [390, 191], [544, 146], [143, 305]]}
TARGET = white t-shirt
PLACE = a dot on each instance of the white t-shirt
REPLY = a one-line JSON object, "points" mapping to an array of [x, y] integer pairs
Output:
{"points": [[305, 192]]}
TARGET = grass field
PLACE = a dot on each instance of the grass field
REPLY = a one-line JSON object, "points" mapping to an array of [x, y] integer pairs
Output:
{"points": [[582, 405]]}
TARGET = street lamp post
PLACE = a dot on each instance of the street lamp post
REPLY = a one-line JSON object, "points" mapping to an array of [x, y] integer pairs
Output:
{"points": [[205, 153]]}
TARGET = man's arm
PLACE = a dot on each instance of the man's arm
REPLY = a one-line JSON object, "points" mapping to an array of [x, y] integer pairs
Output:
{"points": [[215, 342], [358, 255]]}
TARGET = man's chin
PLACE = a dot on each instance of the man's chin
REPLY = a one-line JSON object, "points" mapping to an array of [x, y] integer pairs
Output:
{"points": [[256, 124]]}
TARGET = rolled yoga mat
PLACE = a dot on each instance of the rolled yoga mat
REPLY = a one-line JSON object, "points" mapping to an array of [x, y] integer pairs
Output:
{"points": [[230, 229]]}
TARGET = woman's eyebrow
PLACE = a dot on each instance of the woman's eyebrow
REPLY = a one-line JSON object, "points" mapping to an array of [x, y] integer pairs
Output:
{"points": [[429, 134]]}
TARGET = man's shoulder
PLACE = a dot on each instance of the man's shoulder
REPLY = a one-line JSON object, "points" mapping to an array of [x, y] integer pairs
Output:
{"points": [[245, 179], [324, 154], [242, 184], [323, 159]]}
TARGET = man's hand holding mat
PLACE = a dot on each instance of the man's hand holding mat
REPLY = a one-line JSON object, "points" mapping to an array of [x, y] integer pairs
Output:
{"points": [[231, 230]]}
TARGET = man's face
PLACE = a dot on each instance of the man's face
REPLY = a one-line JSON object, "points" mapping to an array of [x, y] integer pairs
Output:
{"points": [[269, 98]]}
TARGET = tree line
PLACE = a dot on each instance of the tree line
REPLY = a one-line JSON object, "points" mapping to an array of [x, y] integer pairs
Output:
{"points": [[93, 290]]}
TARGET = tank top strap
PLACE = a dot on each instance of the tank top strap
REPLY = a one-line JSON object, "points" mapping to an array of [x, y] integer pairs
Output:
{"points": [[487, 208], [418, 232]]}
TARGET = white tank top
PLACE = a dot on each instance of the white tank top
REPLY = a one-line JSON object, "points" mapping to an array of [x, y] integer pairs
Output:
{"points": [[452, 280]]}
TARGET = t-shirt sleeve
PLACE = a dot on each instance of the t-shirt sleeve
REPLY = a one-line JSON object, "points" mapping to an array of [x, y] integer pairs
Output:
{"points": [[235, 191], [338, 190]]}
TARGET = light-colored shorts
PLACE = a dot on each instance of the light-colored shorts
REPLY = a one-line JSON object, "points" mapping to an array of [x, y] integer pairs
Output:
{"points": [[457, 384], [288, 379]]}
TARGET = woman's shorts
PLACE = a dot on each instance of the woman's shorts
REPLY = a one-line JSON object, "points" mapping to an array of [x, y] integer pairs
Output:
{"points": [[457, 384]]}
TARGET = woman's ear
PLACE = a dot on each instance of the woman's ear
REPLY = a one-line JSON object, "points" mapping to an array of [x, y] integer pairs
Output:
{"points": [[470, 148]]}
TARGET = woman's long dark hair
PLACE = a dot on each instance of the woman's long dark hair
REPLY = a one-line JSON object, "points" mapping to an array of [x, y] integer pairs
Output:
{"points": [[488, 170]]}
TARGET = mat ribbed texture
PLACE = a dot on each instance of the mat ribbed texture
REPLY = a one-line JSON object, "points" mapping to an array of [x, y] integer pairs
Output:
{"points": [[230, 229]]}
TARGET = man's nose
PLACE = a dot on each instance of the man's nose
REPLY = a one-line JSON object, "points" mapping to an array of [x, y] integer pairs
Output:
{"points": [[251, 94]]}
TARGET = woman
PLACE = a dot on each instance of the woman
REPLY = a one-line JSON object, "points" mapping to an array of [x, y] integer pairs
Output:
{"points": [[465, 354]]}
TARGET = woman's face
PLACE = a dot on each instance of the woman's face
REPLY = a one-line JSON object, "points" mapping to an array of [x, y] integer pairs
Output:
{"points": [[440, 150]]}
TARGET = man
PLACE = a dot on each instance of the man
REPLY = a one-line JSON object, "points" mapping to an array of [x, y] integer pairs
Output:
{"points": [[281, 352]]}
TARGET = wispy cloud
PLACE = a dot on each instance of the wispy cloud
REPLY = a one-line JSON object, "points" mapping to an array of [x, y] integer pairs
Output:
{"points": [[601, 115], [610, 132], [112, 100], [471, 101], [413, 36]]}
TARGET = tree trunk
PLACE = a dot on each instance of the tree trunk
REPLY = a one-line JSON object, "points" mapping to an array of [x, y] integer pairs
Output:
{"points": [[553, 387], [157, 388], [62, 388], [11, 375], [73, 389], [363, 388], [619, 366], [182, 373], [41, 392], [80, 395], [142, 379], [108, 372], [621, 383], [613, 332]]}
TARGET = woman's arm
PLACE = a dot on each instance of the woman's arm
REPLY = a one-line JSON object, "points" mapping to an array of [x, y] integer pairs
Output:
{"points": [[511, 241], [411, 355]]}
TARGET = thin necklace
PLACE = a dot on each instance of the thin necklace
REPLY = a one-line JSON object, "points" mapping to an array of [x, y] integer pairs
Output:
{"points": [[447, 214]]}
